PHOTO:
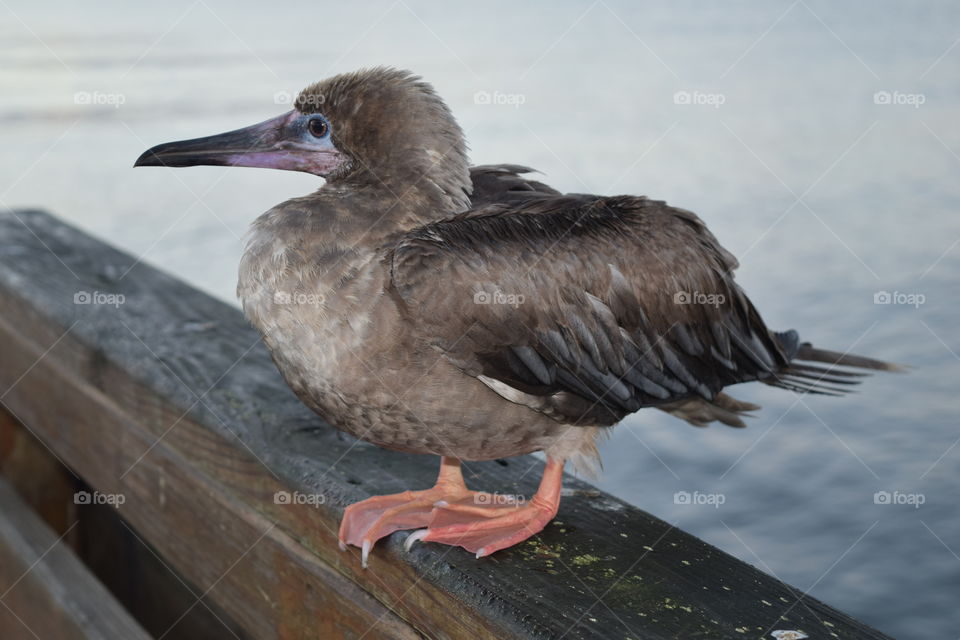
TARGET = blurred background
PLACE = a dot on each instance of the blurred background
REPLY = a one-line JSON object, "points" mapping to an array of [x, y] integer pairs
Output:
{"points": [[818, 141]]}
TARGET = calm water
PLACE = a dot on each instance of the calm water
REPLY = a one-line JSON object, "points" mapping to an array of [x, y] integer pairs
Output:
{"points": [[826, 193]]}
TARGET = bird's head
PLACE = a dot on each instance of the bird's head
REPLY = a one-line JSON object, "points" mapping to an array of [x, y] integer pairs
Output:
{"points": [[382, 124]]}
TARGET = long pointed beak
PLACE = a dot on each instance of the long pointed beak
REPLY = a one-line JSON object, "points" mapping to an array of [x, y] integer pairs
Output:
{"points": [[272, 144]]}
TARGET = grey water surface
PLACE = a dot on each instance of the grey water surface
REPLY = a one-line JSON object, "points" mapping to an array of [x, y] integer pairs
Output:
{"points": [[818, 140]]}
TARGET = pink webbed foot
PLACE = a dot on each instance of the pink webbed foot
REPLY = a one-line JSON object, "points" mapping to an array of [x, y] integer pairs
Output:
{"points": [[485, 534], [367, 521], [449, 513], [484, 524]]}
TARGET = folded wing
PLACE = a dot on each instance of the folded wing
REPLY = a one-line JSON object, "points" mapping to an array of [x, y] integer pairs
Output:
{"points": [[585, 308]]}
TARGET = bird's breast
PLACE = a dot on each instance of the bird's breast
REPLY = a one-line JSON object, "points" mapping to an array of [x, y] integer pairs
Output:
{"points": [[313, 303]]}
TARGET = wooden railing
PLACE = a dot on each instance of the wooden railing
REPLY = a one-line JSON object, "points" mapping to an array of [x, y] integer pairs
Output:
{"points": [[164, 400]]}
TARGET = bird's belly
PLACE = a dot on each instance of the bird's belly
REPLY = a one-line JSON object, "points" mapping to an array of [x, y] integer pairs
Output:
{"points": [[443, 412], [404, 397]]}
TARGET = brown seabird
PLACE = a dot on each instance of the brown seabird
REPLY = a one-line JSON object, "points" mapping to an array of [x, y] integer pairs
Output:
{"points": [[473, 313]]}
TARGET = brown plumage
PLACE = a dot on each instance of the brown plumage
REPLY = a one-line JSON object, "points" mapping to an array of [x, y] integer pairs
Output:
{"points": [[429, 307]]}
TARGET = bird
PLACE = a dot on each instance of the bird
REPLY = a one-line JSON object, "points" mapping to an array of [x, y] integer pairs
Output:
{"points": [[474, 313]]}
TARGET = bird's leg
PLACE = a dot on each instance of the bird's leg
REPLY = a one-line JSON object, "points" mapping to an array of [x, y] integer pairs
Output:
{"points": [[483, 529], [366, 522]]}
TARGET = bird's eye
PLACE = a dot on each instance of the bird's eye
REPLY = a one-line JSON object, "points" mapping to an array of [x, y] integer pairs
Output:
{"points": [[317, 127]]}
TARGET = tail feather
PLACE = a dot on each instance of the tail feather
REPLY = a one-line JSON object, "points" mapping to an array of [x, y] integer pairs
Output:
{"points": [[818, 371], [809, 353], [785, 382], [807, 378], [799, 373]]}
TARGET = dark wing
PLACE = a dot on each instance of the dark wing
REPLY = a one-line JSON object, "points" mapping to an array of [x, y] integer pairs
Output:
{"points": [[504, 183], [582, 307]]}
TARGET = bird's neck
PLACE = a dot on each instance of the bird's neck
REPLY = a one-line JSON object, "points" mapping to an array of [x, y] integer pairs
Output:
{"points": [[411, 186], [369, 216]]}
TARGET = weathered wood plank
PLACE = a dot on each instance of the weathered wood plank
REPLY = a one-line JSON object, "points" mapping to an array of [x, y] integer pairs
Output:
{"points": [[38, 477], [124, 563], [170, 399], [45, 591], [137, 576]]}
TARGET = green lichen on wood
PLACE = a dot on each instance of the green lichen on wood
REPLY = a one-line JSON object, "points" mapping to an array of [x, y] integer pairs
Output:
{"points": [[584, 560]]}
